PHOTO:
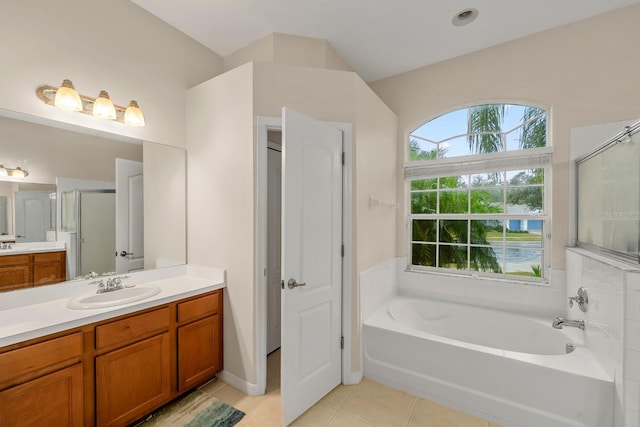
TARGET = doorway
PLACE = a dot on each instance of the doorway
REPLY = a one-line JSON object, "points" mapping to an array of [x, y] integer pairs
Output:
{"points": [[269, 130], [274, 220]]}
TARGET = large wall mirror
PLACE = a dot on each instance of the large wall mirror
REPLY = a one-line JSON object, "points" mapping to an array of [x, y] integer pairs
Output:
{"points": [[116, 204]]}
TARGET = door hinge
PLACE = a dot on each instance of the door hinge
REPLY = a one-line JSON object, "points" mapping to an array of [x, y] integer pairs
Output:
{"points": [[343, 158], [342, 251], [342, 343]]}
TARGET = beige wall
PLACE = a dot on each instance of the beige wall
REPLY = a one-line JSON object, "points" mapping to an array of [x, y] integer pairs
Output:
{"points": [[47, 152], [114, 46], [220, 203], [222, 143], [288, 49], [343, 97], [585, 73], [165, 213]]}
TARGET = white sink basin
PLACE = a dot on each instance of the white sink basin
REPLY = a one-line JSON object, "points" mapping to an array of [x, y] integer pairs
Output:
{"points": [[113, 298]]}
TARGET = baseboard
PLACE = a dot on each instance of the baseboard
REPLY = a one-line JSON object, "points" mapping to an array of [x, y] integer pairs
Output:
{"points": [[240, 384], [351, 378]]}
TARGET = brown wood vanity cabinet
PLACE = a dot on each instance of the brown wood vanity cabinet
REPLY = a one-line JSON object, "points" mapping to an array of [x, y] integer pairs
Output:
{"points": [[134, 376], [114, 372], [42, 384], [28, 270], [199, 335]]}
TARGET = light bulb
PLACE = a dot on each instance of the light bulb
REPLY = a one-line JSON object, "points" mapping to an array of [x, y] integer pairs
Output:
{"points": [[133, 115], [3, 171], [18, 172], [67, 97], [103, 107]]}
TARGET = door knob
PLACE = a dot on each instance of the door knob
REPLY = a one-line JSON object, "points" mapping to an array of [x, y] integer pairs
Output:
{"points": [[293, 284], [125, 253]]}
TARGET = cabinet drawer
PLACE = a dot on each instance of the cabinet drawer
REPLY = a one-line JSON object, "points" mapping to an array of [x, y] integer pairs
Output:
{"points": [[40, 358], [49, 257], [125, 330], [15, 259], [203, 306]]}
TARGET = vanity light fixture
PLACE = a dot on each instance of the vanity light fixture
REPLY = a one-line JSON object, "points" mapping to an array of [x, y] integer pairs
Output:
{"points": [[103, 107], [133, 115], [18, 172], [68, 98]]}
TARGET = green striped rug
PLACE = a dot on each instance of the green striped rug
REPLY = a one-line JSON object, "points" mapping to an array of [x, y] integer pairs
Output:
{"points": [[197, 409]]}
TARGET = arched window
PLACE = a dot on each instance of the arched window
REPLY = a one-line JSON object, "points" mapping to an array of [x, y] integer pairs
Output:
{"points": [[478, 180]]}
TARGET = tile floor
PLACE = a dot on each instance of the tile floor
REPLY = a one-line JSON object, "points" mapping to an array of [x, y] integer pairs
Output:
{"points": [[364, 405]]}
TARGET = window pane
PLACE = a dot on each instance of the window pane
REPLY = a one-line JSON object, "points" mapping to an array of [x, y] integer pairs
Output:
{"points": [[523, 262], [453, 182], [424, 184], [455, 147], [452, 256], [424, 203], [524, 200], [486, 128], [420, 149], [454, 202], [484, 232], [529, 237], [453, 231], [530, 176], [485, 258], [445, 126], [424, 230], [487, 179], [490, 200], [424, 255]]}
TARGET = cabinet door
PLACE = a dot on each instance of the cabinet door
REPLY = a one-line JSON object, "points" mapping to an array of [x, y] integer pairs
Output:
{"points": [[133, 381], [199, 351], [15, 277], [48, 268], [52, 400]]}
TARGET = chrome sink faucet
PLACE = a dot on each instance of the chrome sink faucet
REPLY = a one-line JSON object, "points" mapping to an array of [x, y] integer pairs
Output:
{"points": [[113, 284], [560, 322]]}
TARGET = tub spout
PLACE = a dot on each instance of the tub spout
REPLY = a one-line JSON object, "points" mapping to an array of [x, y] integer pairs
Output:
{"points": [[560, 322]]}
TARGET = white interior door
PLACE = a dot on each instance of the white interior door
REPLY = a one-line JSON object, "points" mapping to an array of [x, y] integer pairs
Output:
{"points": [[312, 263], [33, 216], [129, 216], [274, 234]]}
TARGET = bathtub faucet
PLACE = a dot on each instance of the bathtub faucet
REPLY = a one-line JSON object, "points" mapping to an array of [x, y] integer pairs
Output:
{"points": [[560, 322]]}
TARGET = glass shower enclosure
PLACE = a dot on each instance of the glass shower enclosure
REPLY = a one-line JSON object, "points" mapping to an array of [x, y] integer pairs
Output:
{"points": [[608, 205]]}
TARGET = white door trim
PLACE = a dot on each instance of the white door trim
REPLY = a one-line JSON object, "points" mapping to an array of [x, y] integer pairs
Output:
{"points": [[275, 123]]}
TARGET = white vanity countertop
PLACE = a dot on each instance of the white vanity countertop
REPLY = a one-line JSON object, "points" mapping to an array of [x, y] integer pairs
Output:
{"points": [[25, 321], [36, 247]]}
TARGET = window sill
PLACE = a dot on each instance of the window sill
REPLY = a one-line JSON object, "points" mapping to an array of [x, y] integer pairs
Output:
{"points": [[544, 282]]}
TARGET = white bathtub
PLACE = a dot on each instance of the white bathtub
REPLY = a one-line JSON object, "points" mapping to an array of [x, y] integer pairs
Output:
{"points": [[500, 366]]}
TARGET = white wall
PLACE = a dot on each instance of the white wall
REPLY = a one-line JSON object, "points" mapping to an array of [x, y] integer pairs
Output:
{"points": [[112, 45]]}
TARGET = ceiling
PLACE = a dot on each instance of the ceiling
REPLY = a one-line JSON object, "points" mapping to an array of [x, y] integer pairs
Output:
{"points": [[377, 38]]}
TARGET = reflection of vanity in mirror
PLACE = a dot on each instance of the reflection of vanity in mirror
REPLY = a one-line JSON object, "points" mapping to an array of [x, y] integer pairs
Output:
{"points": [[96, 217]]}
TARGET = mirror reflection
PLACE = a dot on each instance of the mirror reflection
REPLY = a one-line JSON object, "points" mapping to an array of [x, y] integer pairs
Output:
{"points": [[85, 198]]}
